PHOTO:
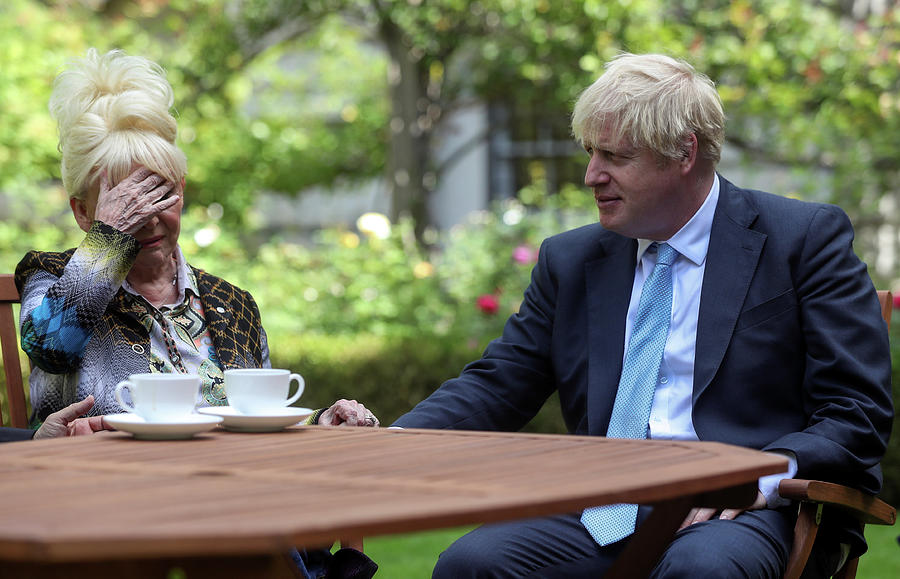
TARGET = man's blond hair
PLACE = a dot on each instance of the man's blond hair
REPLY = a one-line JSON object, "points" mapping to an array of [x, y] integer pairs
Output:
{"points": [[655, 101]]}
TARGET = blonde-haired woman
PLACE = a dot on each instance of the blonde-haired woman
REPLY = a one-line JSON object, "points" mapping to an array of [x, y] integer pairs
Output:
{"points": [[125, 301]]}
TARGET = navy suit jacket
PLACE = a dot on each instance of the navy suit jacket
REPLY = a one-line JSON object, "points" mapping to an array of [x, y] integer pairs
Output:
{"points": [[15, 434], [791, 354]]}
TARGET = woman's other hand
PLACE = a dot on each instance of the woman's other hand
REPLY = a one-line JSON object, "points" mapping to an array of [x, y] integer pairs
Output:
{"points": [[348, 413], [65, 422]]}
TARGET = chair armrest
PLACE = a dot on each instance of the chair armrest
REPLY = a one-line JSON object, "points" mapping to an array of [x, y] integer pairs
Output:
{"points": [[865, 507]]}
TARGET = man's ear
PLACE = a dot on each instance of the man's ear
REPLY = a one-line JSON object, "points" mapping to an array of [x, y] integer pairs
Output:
{"points": [[80, 211], [690, 148]]}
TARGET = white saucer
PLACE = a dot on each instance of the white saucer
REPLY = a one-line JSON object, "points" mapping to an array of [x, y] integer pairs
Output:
{"points": [[184, 427], [272, 421]]}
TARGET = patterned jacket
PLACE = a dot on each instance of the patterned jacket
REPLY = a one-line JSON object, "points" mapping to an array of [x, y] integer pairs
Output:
{"points": [[83, 337]]}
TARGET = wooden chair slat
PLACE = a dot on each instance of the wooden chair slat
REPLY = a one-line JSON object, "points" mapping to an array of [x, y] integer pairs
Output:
{"points": [[15, 392]]}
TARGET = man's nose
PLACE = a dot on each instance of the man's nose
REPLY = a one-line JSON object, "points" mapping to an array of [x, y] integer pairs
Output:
{"points": [[596, 171]]}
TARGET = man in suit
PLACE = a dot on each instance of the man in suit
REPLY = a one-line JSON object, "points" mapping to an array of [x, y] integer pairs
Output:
{"points": [[63, 422], [774, 338]]}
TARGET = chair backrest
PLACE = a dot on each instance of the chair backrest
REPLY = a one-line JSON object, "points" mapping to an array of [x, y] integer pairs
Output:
{"points": [[887, 306], [15, 391]]}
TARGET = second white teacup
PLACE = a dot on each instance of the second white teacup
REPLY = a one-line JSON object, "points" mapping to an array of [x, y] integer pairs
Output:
{"points": [[261, 390], [158, 397]]}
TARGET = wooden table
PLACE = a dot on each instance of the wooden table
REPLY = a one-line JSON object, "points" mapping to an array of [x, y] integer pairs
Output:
{"points": [[234, 503]]}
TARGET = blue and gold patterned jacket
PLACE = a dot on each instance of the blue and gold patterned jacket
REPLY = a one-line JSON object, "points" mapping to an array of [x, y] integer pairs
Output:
{"points": [[83, 336]]}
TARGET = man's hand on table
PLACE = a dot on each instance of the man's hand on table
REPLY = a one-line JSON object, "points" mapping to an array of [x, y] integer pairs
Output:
{"points": [[700, 514], [65, 422], [347, 413]]}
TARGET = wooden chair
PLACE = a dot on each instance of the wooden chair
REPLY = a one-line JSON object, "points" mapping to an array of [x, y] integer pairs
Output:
{"points": [[15, 391], [814, 495]]}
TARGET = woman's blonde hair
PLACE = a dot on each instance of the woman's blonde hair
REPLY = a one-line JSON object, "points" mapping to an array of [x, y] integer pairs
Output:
{"points": [[113, 113], [656, 101]]}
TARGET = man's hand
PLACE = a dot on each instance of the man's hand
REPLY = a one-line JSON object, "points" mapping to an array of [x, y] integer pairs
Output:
{"points": [[348, 413], [65, 422], [698, 515]]}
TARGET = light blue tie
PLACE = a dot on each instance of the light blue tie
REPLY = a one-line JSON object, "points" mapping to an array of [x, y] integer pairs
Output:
{"points": [[631, 411]]}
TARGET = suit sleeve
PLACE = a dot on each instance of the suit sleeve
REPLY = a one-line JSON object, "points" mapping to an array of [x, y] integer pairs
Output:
{"points": [[15, 434], [847, 376], [509, 384]]}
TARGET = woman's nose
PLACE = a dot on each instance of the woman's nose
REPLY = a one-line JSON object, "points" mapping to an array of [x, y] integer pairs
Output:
{"points": [[152, 222]]}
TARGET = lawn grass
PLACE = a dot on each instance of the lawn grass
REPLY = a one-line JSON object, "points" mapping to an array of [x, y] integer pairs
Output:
{"points": [[412, 556], [882, 561]]}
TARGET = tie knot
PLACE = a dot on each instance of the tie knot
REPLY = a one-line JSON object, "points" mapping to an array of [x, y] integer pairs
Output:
{"points": [[665, 254]]}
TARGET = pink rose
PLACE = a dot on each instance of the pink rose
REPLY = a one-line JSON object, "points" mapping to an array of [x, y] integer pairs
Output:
{"points": [[488, 304], [523, 254]]}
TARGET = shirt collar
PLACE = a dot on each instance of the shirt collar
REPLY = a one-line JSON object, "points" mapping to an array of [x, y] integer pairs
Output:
{"points": [[692, 240], [186, 280]]}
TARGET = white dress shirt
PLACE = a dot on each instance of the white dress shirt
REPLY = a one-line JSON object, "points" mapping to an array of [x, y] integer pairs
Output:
{"points": [[670, 414]]}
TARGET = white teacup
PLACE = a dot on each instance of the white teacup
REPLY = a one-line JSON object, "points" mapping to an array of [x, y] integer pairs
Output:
{"points": [[261, 390], [158, 397]]}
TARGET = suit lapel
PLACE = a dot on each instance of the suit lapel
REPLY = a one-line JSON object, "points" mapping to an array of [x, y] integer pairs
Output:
{"points": [[608, 282], [731, 261]]}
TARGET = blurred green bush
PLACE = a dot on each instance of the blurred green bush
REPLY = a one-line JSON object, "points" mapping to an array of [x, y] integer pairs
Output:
{"points": [[387, 374], [375, 315]]}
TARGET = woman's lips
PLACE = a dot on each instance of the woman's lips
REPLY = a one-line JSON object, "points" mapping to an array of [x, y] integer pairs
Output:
{"points": [[151, 241]]}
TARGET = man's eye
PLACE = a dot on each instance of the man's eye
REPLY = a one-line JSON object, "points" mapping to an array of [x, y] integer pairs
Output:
{"points": [[618, 156]]}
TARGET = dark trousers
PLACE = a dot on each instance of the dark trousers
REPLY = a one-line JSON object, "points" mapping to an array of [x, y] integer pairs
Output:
{"points": [[755, 545]]}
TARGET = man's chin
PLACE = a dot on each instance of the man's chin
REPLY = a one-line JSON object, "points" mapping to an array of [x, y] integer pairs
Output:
{"points": [[608, 220]]}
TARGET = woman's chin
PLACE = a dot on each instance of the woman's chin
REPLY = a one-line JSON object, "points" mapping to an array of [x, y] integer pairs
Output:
{"points": [[150, 258]]}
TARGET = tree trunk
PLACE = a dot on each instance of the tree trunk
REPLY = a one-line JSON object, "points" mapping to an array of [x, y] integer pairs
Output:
{"points": [[410, 136]]}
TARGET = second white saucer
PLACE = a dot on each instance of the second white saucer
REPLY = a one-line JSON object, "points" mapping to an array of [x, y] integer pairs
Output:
{"points": [[272, 421]]}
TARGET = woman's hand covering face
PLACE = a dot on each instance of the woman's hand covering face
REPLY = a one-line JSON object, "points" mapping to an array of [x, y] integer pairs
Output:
{"points": [[135, 200]]}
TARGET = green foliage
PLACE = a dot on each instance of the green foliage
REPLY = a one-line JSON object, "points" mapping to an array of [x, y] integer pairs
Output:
{"points": [[349, 283], [281, 95], [27, 58], [803, 97], [299, 114], [280, 117], [389, 375]]}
